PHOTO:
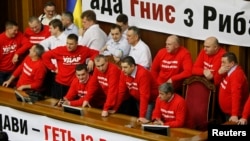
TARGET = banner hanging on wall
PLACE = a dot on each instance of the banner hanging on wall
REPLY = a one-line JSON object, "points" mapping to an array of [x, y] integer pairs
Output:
{"points": [[23, 126], [228, 20]]}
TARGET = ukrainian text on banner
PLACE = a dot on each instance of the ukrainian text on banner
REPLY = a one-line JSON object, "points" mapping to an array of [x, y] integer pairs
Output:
{"points": [[228, 20], [22, 126]]}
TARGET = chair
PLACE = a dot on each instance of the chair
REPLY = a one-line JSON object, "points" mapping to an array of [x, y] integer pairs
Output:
{"points": [[199, 94]]}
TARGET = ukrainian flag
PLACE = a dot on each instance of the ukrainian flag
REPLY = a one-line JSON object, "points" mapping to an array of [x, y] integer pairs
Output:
{"points": [[75, 6]]}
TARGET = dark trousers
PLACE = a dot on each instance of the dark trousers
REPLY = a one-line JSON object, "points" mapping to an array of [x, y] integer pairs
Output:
{"points": [[129, 107], [58, 90], [49, 83], [4, 76]]}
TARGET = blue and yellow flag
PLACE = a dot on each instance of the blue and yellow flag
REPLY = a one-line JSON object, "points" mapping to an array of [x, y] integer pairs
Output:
{"points": [[75, 6]]}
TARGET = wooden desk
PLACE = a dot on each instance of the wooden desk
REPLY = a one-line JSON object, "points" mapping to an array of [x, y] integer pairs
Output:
{"points": [[92, 118]]}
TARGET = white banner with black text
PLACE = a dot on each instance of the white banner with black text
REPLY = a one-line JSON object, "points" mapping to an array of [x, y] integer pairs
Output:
{"points": [[228, 20]]}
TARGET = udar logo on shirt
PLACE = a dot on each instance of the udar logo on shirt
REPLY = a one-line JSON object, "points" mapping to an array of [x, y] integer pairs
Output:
{"points": [[9, 48], [71, 60]]}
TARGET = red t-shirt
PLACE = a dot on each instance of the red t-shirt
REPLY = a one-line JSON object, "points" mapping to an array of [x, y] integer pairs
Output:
{"points": [[177, 66], [67, 61], [9, 47], [31, 72], [246, 111], [142, 87], [172, 112], [35, 38], [77, 92], [212, 62], [108, 81], [233, 92]]}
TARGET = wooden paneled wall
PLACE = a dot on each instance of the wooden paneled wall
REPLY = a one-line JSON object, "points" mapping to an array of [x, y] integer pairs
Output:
{"points": [[3, 15], [21, 10]]}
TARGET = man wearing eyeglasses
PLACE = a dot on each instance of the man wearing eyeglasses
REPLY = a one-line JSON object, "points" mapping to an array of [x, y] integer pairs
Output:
{"points": [[49, 13]]}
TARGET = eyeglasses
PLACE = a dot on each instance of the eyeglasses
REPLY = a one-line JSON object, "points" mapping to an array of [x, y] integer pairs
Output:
{"points": [[50, 11]]}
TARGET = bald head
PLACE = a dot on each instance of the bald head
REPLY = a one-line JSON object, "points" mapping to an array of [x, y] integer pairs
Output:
{"points": [[211, 45], [212, 41], [174, 39], [172, 43]]}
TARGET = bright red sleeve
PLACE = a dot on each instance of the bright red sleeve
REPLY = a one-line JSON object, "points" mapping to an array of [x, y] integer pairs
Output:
{"points": [[157, 110], [246, 111], [39, 77], [187, 68], [72, 92], [25, 44], [198, 66], [218, 78], [18, 70], [155, 68], [181, 111], [77, 102], [74, 89], [47, 56], [112, 87], [92, 53], [144, 91], [121, 91], [216, 66], [93, 87], [33, 77], [237, 88]]}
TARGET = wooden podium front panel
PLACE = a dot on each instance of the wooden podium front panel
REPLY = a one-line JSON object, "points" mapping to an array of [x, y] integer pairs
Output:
{"points": [[116, 123]]}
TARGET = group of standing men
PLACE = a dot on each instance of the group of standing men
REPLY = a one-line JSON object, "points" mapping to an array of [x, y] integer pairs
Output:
{"points": [[77, 61]]}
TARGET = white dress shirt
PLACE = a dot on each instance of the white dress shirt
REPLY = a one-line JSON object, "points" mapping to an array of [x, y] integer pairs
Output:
{"points": [[94, 38], [119, 49], [72, 29], [45, 20], [53, 41], [142, 54]]}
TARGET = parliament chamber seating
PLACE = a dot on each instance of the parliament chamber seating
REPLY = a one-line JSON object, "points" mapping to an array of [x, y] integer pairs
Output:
{"points": [[199, 94]]}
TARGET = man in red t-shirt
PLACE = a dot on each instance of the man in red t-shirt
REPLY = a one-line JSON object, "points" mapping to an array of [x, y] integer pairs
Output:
{"points": [[67, 57], [140, 84], [80, 87], [208, 61], [13, 46], [36, 32], [234, 89], [170, 108], [31, 72], [172, 64], [106, 75]]}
